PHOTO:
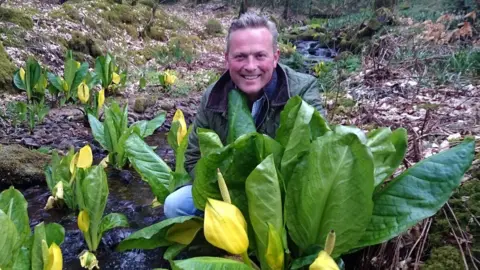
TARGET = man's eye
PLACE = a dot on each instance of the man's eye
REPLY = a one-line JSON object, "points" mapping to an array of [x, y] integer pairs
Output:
{"points": [[261, 56], [239, 57]]}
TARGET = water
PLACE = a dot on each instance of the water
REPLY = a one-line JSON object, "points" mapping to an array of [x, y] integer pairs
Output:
{"points": [[314, 53], [128, 195]]}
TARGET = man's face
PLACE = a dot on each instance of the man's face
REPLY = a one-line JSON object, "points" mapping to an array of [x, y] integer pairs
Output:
{"points": [[251, 59]]}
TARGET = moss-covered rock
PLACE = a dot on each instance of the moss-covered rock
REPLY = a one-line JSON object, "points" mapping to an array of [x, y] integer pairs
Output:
{"points": [[6, 71], [157, 33], [142, 103], [84, 44], [120, 14], [444, 258], [213, 27], [13, 36], [16, 16], [20, 166]]}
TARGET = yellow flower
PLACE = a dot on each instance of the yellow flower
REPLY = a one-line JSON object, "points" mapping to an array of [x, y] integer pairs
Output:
{"points": [[59, 190], [323, 262], [77, 64], [101, 98], [115, 78], [55, 259], [22, 74], [85, 157], [73, 163], [104, 162], [275, 255], [83, 92], [88, 260], [225, 227], [170, 78], [182, 130], [50, 202], [83, 221], [184, 233]]}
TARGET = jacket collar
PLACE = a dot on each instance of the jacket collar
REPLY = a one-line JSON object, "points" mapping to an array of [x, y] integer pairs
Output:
{"points": [[218, 98]]}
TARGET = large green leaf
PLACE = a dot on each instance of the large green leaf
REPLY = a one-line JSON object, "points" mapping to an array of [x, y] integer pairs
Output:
{"points": [[8, 240], [294, 133], [111, 221], [55, 81], [54, 233], [417, 193], [152, 236], [388, 149], [97, 130], [150, 166], [103, 69], [264, 204], [172, 135], [14, 205], [147, 128], [92, 194], [209, 263], [70, 68], [23, 259], [240, 119], [209, 141], [32, 75], [331, 190], [39, 246], [17, 81], [180, 153]]}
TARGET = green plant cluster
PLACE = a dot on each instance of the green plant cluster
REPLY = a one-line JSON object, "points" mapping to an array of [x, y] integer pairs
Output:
{"points": [[213, 27]]}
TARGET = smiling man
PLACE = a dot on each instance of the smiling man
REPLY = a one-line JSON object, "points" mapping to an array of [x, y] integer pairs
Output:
{"points": [[251, 58]]}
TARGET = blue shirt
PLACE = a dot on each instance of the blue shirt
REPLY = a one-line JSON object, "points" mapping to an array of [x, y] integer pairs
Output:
{"points": [[268, 92]]}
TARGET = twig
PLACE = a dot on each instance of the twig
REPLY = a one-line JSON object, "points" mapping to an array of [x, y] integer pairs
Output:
{"points": [[464, 236], [420, 250], [420, 238], [456, 239]]}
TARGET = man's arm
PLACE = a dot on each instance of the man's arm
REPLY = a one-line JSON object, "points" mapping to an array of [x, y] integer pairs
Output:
{"points": [[192, 155], [311, 95]]}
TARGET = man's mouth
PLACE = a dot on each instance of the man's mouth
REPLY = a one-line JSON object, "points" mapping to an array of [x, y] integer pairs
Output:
{"points": [[250, 77]]}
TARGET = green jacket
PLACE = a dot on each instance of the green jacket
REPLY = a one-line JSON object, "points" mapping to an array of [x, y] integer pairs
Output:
{"points": [[212, 113]]}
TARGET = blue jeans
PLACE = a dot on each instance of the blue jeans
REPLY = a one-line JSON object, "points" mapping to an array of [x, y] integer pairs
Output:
{"points": [[180, 203]]}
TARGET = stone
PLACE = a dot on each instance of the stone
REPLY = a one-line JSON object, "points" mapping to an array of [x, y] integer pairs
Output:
{"points": [[167, 105], [20, 166]]}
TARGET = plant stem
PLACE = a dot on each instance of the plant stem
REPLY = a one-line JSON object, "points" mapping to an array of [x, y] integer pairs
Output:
{"points": [[246, 260]]}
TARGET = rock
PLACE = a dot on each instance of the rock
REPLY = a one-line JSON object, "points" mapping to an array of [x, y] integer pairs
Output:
{"points": [[167, 105], [20, 166], [139, 106], [6, 71]]}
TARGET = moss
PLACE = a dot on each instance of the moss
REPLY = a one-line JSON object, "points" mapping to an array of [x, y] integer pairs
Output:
{"points": [[465, 203], [6, 71], [119, 14], [16, 16], [148, 3], [213, 27], [131, 30], [71, 12], [187, 44], [444, 258], [150, 52], [157, 33], [100, 5], [21, 166], [13, 36], [84, 44]]}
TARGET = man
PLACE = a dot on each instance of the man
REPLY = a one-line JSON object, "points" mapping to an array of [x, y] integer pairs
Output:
{"points": [[251, 56]]}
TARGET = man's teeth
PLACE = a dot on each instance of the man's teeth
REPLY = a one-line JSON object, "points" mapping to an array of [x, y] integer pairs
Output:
{"points": [[251, 77]]}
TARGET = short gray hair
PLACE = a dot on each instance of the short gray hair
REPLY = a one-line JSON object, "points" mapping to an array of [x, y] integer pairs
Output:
{"points": [[252, 20]]}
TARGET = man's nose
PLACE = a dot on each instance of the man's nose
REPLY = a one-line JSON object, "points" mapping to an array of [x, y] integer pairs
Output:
{"points": [[251, 63]]}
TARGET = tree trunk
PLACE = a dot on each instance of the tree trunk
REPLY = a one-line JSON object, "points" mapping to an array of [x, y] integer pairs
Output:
{"points": [[243, 7], [285, 11]]}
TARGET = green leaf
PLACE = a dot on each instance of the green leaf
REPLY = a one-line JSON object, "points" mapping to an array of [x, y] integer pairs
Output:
{"points": [[38, 247], [18, 81], [80, 75], [32, 75], [240, 119], [9, 240], [388, 149], [264, 204], [172, 135], [111, 221], [152, 236], [103, 69], [97, 130], [184, 233], [153, 124], [417, 193], [173, 250], [343, 130], [332, 190], [14, 205], [209, 263], [143, 82], [54, 233], [55, 81], [22, 261], [92, 193], [209, 141], [70, 68], [150, 166], [294, 133]]}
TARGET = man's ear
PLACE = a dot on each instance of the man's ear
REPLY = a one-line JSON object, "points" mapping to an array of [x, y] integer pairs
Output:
{"points": [[276, 57], [226, 60]]}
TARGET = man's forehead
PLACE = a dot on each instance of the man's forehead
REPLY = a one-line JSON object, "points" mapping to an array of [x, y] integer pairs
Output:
{"points": [[251, 39]]}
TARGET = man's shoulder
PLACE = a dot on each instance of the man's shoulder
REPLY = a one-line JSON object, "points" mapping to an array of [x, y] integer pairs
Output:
{"points": [[297, 80]]}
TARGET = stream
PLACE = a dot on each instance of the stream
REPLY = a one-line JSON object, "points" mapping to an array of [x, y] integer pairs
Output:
{"points": [[313, 52], [128, 195]]}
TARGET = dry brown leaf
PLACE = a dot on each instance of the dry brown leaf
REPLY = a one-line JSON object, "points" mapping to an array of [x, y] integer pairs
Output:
{"points": [[445, 18], [472, 15], [463, 32]]}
